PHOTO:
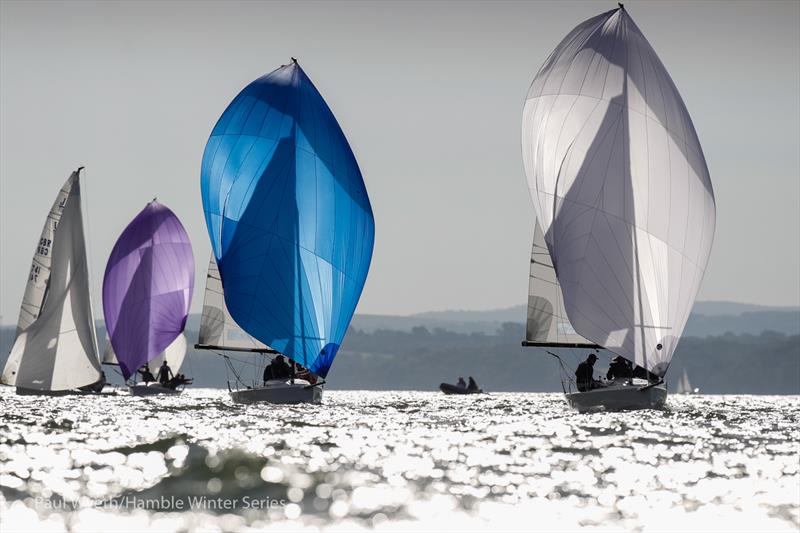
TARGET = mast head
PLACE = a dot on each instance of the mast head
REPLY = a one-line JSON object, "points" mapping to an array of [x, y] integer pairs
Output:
{"points": [[621, 6], [79, 170], [294, 60]]}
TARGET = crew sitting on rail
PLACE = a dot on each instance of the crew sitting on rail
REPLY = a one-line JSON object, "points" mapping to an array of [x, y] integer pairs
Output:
{"points": [[277, 369], [147, 376], [620, 368]]}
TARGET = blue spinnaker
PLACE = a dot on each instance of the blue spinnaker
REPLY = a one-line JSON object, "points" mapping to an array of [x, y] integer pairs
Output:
{"points": [[290, 222]]}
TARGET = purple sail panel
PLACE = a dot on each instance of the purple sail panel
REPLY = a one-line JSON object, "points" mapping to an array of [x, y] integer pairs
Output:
{"points": [[147, 287]]}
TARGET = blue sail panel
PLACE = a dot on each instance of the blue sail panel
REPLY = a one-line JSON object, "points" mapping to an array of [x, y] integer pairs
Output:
{"points": [[289, 218]]}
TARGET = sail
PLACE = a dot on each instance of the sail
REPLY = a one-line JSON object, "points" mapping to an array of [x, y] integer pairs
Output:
{"points": [[56, 346], [147, 287], [174, 354], [217, 327], [620, 185], [547, 324], [290, 222]]}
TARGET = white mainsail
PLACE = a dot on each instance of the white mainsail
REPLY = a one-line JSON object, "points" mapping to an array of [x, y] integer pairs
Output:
{"points": [[174, 354], [620, 185], [217, 327], [547, 324], [56, 345]]}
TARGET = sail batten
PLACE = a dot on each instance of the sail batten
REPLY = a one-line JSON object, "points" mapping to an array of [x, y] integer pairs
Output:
{"points": [[620, 187]]}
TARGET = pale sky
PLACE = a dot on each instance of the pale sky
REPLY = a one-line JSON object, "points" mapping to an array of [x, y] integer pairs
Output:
{"points": [[430, 96]]}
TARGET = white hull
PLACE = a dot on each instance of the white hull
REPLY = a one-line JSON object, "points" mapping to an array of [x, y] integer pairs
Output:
{"points": [[150, 389], [619, 397], [279, 391]]}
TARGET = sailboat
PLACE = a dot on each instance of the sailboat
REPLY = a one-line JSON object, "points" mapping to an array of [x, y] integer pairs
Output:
{"points": [[292, 234], [624, 205], [147, 292], [55, 349], [174, 355], [684, 386]]}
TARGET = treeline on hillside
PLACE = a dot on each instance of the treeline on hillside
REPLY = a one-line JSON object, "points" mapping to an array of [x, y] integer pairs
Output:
{"points": [[768, 363]]}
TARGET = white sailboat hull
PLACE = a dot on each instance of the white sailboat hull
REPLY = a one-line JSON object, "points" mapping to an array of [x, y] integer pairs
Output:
{"points": [[280, 392], [150, 389], [619, 397]]}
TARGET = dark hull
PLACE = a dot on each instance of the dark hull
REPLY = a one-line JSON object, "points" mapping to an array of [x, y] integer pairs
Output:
{"points": [[447, 388]]}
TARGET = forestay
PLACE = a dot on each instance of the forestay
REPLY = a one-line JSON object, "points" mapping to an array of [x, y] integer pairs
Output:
{"points": [[620, 185], [288, 215], [147, 287], [56, 347]]}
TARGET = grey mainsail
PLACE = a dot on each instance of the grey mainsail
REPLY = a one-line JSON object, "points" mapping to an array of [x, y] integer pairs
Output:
{"points": [[174, 354], [621, 187], [56, 346], [218, 330], [547, 323]]}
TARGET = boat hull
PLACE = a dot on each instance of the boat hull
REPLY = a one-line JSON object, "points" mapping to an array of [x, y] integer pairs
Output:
{"points": [[280, 392], [152, 389], [447, 388], [619, 397], [70, 392]]}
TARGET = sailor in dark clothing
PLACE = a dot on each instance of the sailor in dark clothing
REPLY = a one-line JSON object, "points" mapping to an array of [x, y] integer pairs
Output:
{"points": [[147, 376], [277, 369], [619, 368], [164, 373], [472, 385], [461, 383], [584, 374]]}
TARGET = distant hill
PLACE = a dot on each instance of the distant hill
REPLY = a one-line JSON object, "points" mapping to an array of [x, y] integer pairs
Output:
{"points": [[719, 351], [708, 318]]}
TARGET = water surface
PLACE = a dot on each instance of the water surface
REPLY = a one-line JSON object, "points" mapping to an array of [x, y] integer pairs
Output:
{"points": [[397, 460]]}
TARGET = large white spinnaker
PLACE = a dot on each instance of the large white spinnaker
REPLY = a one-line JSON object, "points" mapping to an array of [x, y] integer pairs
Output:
{"points": [[218, 329], [56, 345], [620, 185]]}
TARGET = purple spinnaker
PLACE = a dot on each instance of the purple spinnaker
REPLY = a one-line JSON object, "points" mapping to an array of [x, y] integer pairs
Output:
{"points": [[147, 287]]}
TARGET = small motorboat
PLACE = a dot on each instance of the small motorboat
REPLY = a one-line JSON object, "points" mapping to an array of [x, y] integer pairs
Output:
{"points": [[282, 391], [449, 388]]}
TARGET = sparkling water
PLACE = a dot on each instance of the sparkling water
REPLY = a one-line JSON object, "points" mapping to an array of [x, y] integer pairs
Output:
{"points": [[396, 461]]}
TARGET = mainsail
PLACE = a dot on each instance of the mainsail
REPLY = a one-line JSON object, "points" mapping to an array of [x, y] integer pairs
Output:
{"points": [[56, 345], [147, 287], [174, 354], [548, 324], [218, 329], [288, 215], [620, 185]]}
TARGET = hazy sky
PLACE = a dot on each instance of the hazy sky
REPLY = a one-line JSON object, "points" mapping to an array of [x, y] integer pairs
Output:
{"points": [[430, 96]]}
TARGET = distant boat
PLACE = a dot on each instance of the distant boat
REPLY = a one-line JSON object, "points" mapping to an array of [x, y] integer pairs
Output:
{"points": [[449, 388], [147, 292], [684, 386], [55, 350], [624, 205], [291, 230]]}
